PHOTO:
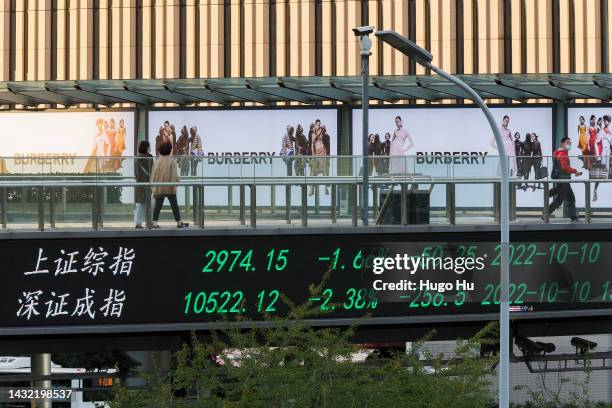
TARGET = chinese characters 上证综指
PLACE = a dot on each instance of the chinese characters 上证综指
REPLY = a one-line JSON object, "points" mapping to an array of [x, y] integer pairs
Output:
{"points": [[94, 262]]}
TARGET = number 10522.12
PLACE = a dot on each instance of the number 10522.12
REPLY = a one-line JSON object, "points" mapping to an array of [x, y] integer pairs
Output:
{"points": [[228, 302]]}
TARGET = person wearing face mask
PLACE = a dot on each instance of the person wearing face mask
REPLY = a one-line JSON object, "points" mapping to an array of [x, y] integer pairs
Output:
{"points": [[562, 170]]}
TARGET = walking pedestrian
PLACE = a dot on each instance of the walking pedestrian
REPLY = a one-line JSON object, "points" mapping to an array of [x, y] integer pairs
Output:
{"points": [[164, 171], [142, 170], [562, 170]]}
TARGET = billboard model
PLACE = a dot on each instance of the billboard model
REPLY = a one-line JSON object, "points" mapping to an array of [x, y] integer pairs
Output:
{"points": [[62, 142], [458, 142], [590, 130]]}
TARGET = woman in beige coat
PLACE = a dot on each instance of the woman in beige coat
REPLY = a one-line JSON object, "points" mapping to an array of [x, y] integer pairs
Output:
{"points": [[164, 171]]}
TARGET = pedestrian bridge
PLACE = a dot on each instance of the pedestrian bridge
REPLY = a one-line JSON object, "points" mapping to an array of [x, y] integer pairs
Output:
{"points": [[239, 192]]}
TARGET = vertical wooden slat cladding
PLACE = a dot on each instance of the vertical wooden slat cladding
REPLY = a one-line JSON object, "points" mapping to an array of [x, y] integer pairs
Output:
{"points": [[193, 36], [85, 16], [227, 35], [427, 27], [109, 38], [182, 44], [475, 38], [120, 39], [375, 19], [66, 38], [523, 36], [328, 49], [279, 37], [515, 36], [564, 36], [459, 37], [272, 36], [319, 37], [243, 52], [27, 48], [5, 40], [95, 40], [19, 41], [603, 32], [138, 55], [130, 39], [556, 33], [507, 35], [608, 34], [294, 49]]}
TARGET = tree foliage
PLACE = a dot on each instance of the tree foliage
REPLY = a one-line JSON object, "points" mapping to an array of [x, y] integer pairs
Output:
{"points": [[293, 364]]}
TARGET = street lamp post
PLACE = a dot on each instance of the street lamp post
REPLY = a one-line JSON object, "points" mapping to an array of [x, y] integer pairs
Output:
{"points": [[365, 45], [424, 58]]}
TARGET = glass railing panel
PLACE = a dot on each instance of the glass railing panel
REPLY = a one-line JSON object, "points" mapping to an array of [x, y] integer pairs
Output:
{"points": [[330, 193], [472, 167], [474, 203], [22, 194]]}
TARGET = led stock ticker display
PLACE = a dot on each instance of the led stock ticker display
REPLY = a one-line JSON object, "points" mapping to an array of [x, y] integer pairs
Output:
{"points": [[204, 279]]}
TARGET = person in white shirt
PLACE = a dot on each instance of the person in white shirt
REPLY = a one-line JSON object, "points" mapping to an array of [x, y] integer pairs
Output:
{"points": [[602, 147], [401, 142]]}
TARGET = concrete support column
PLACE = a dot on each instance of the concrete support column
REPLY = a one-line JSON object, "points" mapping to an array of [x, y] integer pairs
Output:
{"points": [[344, 166], [141, 119], [559, 117], [40, 364]]}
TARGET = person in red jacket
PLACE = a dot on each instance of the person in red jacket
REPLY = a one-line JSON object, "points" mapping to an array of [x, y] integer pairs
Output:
{"points": [[562, 170]]}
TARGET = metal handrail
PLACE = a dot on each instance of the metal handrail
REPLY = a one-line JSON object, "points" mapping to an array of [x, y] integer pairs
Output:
{"points": [[249, 211], [282, 181]]}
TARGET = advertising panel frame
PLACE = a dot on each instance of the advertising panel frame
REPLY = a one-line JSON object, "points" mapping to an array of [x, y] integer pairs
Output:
{"points": [[246, 108], [473, 106], [565, 124], [133, 110]]}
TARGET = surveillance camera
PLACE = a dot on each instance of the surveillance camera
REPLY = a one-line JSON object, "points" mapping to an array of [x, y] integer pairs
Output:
{"points": [[363, 30], [582, 345], [546, 347], [528, 347]]}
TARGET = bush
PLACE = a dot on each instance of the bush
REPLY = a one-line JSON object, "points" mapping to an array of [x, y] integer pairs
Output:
{"points": [[293, 364]]}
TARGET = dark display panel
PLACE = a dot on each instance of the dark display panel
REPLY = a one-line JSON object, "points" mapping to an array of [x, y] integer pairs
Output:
{"points": [[147, 280]]}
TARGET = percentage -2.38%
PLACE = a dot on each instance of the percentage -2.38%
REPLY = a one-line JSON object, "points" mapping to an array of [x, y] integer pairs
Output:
{"points": [[351, 299]]}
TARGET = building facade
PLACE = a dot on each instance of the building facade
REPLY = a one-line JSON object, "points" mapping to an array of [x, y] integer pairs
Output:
{"points": [[133, 39]]}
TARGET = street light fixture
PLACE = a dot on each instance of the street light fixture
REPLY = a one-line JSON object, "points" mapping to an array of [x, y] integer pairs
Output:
{"points": [[365, 47], [424, 57]]}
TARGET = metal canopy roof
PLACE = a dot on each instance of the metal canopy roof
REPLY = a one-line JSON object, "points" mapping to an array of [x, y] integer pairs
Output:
{"points": [[307, 90]]}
